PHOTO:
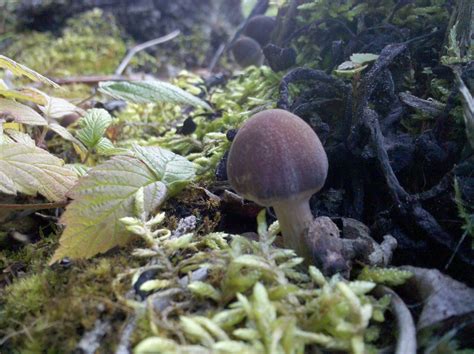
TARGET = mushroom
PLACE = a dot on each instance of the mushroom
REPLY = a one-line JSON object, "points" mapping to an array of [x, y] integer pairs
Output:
{"points": [[260, 28], [277, 160], [247, 52], [69, 119]]}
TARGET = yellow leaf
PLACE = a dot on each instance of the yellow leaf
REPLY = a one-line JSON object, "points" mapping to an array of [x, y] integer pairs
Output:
{"points": [[21, 70]]}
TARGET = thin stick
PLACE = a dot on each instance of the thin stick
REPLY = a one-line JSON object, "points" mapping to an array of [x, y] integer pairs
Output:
{"points": [[90, 80], [216, 57], [38, 206], [42, 136], [406, 339], [143, 46]]}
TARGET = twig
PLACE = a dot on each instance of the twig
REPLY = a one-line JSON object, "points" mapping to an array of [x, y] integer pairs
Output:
{"points": [[216, 58], [124, 345], [91, 80], [38, 206], [304, 30], [142, 46], [366, 131], [42, 136], [303, 74], [92, 339], [406, 339]]}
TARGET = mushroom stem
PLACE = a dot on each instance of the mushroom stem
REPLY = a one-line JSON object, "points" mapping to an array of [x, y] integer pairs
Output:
{"points": [[294, 216]]}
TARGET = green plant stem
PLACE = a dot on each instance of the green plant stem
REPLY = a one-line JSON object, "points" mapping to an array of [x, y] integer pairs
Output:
{"points": [[42, 136], [88, 154]]}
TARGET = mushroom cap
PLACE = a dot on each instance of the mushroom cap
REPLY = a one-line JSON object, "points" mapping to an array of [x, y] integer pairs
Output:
{"points": [[247, 52], [276, 156], [260, 28], [69, 119]]}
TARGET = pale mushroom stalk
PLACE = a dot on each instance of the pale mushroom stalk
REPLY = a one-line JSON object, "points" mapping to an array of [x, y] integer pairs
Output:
{"points": [[294, 217]]}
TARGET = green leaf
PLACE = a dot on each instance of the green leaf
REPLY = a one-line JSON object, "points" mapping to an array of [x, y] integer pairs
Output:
{"points": [[349, 73], [22, 95], [363, 58], [65, 134], [57, 107], [150, 92], [79, 169], [21, 70], [468, 107], [358, 62], [21, 113], [101, 198], [93, 124], [19, 137], [107, 148], [173, 170], [31, 170], [107, 194]]}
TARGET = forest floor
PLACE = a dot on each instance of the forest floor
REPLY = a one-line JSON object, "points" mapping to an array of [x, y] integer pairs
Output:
{"points": [[120, 230]]}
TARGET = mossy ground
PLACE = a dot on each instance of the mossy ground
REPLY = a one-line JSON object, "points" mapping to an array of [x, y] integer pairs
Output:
{"points": [[49, 309]]}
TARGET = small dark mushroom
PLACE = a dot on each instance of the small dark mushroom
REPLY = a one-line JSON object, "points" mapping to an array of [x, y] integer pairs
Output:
{"points": [[277, 160], [247, 52], [69, 119], [260, 28]]}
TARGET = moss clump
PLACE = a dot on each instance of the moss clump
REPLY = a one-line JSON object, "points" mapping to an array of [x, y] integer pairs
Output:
{"points": [[77, 51], [215, 291], [26, 296], [7, 21], [48, 310]]}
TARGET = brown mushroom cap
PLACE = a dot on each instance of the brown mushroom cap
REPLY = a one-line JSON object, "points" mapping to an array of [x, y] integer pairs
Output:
{"points": [[69, 119], [260, 28], [275, 156], [247, 52]]}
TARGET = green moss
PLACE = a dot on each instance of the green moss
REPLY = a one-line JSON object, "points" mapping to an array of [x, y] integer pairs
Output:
{"points": [[7, 19], [252, 294], [25, 296], [56, 305], [143, 328], [77, 51], [253, 89], [387, 276]]}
